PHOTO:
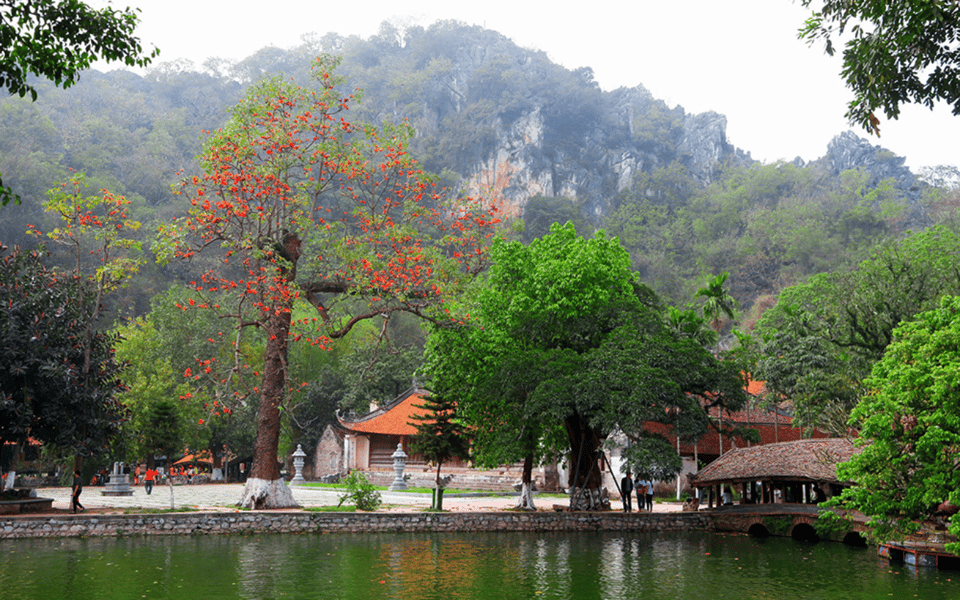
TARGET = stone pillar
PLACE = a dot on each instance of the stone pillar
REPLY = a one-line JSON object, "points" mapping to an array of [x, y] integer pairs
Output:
{"points": [[298, 457], [399, 462]]}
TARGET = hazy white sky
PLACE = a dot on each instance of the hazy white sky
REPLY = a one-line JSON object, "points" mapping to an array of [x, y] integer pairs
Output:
{"points": [[741, 58]]}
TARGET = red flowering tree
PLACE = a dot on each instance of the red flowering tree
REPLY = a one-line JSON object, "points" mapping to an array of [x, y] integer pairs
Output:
{"points": [[297, 204]]}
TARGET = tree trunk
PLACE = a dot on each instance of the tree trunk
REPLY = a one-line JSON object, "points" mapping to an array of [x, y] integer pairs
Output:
{"points": [[217, 456], [525, 502], [438, 493], [585, 475], [264, 488], [10, 477]]}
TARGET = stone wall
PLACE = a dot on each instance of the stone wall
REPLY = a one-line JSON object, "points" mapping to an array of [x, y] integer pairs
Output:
{"points": [[305, 522]]}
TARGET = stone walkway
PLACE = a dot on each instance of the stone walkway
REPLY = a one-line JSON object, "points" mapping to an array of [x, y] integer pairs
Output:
{"points": [[225, 496]]}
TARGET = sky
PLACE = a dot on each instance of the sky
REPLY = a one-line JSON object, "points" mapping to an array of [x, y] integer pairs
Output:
{"points": [[741, 58]]}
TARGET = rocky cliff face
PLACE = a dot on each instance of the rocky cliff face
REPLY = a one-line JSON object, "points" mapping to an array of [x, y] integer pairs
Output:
{"points": [[603, 160], [849, 151], [515, 125], [705, 143]]}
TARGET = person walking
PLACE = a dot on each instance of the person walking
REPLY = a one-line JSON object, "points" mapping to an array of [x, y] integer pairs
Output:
{"points": [[75, 496], [626, 490]]}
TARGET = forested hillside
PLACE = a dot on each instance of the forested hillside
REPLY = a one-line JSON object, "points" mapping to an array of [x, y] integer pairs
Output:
{"points": [[492, 118]]}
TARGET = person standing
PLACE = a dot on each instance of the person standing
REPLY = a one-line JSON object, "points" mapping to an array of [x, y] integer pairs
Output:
{"points": [[148, 478], [626, 490], [649, 496], [641, 485], [75, 496]]}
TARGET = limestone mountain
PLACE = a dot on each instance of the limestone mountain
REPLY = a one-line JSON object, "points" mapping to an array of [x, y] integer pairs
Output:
{"points": [[508, 119]]}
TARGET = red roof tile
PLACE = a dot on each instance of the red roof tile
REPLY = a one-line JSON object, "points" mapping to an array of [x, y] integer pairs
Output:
{"points": [[391, 419]]}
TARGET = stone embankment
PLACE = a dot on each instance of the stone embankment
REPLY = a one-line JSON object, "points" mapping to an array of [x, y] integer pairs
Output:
{"points": [[305, 522]]}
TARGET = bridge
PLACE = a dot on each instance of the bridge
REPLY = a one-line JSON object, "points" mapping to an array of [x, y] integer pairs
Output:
{"points": [[797, 521]]}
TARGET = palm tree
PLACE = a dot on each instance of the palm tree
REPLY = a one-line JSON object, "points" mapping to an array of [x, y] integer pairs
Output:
{"points": [[717, 301]]}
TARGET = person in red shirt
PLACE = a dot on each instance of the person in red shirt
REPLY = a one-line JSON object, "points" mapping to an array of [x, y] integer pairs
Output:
{"points": [[148, 478]]}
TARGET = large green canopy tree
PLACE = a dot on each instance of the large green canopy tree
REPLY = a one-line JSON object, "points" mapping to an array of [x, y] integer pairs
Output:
{"points": [[562, 345], [910, 428]]}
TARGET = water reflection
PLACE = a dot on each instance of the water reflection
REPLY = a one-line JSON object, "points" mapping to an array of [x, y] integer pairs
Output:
{"points": [[453, 566]]}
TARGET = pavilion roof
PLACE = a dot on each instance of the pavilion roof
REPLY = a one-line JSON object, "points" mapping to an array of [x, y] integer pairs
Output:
{"points": [[802, 460]]}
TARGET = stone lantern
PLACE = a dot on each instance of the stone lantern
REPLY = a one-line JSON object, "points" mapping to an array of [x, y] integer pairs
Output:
{"points": [[399, 462], [298, 457]]}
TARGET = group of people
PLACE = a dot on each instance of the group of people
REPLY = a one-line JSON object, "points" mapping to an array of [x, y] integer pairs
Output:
{"points": [[644, 490]]}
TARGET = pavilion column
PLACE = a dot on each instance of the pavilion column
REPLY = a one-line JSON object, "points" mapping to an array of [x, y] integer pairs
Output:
{"points": [[743, 493]]}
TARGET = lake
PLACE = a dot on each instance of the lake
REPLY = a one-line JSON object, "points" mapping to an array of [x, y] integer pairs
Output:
{"points": [[450, 566]]}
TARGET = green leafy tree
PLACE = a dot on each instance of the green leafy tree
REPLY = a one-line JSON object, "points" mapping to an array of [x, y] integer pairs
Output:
{"points": [[163, 411], [910, 428], [895, 53], [493, 385], [821, 381], [824, 336], [57, 39], [563, 339]]}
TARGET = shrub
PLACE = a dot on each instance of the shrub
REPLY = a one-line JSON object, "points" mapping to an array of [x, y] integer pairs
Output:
{"points": [[360, 492]]}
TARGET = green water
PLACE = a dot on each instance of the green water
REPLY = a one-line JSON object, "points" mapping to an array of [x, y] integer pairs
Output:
{"points": [[449, 566]]}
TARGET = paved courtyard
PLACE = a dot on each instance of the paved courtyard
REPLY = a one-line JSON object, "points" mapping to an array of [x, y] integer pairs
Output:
{"points": [[225, 496]]}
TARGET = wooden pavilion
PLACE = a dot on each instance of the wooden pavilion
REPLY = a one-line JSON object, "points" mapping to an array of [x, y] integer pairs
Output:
{"points": [[803, 471]]}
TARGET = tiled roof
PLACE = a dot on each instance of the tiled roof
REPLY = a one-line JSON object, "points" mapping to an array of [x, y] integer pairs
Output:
{"points": [[756, 388], [391, 419], [804, 460], [773, 427]]}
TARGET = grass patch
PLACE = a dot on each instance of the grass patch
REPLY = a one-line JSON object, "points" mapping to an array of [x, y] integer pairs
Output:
{"points": [[331, 508]]}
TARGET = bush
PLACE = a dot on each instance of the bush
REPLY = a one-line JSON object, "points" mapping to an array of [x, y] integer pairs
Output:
{"points": [[360, 492]]}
